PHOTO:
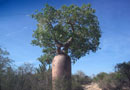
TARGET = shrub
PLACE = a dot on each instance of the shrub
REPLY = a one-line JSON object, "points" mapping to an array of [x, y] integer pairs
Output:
{"points": [[81, 78], [76, 86], [26, 77], [118, 80], [110, 82], [99, 77]]}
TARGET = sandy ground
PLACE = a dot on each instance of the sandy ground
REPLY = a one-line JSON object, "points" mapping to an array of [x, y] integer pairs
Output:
{"points": [[92, 86]]}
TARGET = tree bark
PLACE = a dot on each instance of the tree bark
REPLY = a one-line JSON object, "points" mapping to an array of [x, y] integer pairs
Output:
{"points": [[61, 72]]}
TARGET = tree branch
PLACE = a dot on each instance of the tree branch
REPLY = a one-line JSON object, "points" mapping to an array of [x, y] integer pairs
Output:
{"points": [[68, 41], [72, 25], [58, 45], [67, 44]]}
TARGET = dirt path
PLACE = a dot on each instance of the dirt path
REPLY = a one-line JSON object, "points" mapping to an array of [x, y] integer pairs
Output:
{"points": [[92, 86]]}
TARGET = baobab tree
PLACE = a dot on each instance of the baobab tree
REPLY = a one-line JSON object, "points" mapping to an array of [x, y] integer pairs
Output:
{"points": [[66, 34]]}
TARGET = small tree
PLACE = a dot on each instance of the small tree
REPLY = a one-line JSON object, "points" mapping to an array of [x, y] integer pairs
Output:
{"points": [[5, 69], [68, 33], [124, 71]]}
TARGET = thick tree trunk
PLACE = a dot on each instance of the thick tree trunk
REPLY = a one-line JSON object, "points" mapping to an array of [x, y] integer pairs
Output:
{"points": [[61, 72]]}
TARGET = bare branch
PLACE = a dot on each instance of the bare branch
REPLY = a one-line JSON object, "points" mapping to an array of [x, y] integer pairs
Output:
{"points": [[68, 41], [67, 44], [58, 45]]}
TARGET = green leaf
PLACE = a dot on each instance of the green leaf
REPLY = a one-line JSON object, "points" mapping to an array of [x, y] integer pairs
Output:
{"points": [[80, 23]]}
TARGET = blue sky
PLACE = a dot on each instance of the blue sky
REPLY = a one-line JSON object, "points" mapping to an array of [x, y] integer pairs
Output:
{"points": [[16, 28]]}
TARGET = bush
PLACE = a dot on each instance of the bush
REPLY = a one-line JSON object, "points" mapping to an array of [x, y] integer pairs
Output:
{"points": [[118, 80], [99, 77], [81, 78], [76, 86], [124, 70], [110, 82], [63, 84], [26, 77], [77, 80]]}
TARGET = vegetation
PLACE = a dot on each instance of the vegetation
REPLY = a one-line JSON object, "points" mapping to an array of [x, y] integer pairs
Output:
{"points": [[69, 32], [72, 30], [26, 77], [118, 80], [81, 78]]}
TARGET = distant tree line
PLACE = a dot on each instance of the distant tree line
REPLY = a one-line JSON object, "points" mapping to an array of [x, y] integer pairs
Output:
{"points": [[27, 77]]}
